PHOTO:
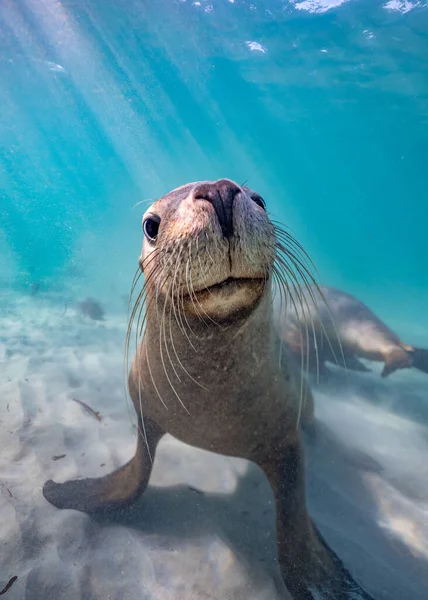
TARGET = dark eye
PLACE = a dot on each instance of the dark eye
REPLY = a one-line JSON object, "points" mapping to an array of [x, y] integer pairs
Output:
{"points": [[151, 227], [259, 200]]}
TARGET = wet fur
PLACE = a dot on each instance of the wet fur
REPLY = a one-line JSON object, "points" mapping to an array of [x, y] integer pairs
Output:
{"points": [[211, 370]]}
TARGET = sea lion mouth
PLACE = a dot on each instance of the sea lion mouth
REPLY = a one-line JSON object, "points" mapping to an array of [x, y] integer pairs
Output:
{"points": [[231, 285], [228, 299]]}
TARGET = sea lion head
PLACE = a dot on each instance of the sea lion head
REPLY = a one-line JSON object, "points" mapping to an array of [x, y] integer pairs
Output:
{"points": [[209, 249]]}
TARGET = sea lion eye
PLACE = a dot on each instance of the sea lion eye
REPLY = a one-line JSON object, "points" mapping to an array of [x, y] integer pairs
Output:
{"points": [[151, 227], [259, 201]]}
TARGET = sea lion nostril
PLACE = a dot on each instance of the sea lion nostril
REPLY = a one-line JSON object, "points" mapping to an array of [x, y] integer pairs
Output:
{"points": [[221, 194]]}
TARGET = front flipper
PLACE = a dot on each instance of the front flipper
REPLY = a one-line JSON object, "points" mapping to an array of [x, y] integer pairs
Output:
{"points": [[341, 586], [397, 358], [116, 490], [311, 570]]}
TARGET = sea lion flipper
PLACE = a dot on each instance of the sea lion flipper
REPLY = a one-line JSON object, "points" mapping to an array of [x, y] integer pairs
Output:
{"points": [[397, 358], [115, 490], [342, 585], [309, 567], [420, 359]]}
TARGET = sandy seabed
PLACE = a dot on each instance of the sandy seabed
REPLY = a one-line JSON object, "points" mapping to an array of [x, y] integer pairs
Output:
{"points": [[204, 529]]}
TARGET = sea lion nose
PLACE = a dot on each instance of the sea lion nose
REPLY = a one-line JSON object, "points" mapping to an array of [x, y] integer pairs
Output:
{"points": [[221, 194]]}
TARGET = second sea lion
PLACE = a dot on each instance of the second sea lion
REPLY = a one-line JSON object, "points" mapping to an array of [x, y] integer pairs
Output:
{"points": [[333, 326]]}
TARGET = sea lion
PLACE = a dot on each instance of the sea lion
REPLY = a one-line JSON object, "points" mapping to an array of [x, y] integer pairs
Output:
{"points": [[333, 326], [210, 369]]}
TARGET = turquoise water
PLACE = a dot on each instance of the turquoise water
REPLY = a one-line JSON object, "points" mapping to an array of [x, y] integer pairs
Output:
{"points": [[322, 108], [319, 105]]}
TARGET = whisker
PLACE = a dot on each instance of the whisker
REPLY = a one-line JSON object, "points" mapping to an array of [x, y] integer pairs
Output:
{"points": [[181, 312], [162, 334], [302, 298], [144, 201], [177, 313], [305, 275], [192, 292], [143, 432], [302, 366], [189, 290], [153, 381], [301, 264], [178, 358]]}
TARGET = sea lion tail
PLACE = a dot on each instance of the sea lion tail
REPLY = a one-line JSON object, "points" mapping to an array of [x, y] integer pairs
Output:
{"points": [[420, 359]]}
